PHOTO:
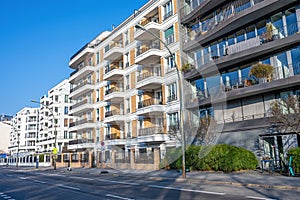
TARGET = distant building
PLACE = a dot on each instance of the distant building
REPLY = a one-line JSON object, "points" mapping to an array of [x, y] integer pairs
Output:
{"points": [[5, 118], [5, 129]]}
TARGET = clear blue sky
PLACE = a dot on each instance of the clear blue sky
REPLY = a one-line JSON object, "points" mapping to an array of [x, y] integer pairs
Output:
{"points": [[38, 37]]}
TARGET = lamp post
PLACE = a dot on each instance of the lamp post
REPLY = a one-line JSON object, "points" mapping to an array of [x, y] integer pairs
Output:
{"points": [[180, 97], [55, 133]]}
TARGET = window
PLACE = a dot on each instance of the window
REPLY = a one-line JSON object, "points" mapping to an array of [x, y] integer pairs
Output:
{"points": [[169, 35], [172, 92], [126, 37], [66, 110], [97, 135], [97, 58], [168, 10], [170, 62], [173, 121], [128, 106], [66, 98], [65, 134], [127, 82], [126, 59]]}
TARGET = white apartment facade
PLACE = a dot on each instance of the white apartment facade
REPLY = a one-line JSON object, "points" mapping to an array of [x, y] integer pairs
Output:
{"points": [[23, 135], [125, 90]]}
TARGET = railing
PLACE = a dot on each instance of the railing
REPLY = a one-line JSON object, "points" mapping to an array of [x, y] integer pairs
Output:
{"points": [[147, 75], [115, 89], [227, 12], [83, 121], [149, 102], [112, 136], [112, 45], [80, 141], [167, 15], [145, 47], [264, 37], [187, 9], [172, 97], [113, 112], [109, 68], [86, 82], [151, 131], [78, 104]]}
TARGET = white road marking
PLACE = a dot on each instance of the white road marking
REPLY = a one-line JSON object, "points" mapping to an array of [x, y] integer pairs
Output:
{"points": [[3, 195], [68, 187], [120, 182], [186, 190], [118, 197], [83, 178], [22, 178], [8, 197], [39, 181], [262, 198]]}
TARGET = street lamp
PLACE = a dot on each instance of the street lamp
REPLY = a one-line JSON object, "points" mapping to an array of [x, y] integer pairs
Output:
{"points": [[180, 97], [55, 133]]}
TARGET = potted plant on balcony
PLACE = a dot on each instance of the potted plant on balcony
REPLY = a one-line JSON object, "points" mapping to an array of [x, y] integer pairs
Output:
{"points": [[263, 72], [187, 67]]}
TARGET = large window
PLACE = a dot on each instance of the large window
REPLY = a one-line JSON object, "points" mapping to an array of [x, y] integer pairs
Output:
{"points": [[168, 10], [169, 35], [170, 62], [172, 92]]}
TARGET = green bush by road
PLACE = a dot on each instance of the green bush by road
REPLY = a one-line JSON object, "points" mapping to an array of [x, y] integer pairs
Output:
{"points": [[295, 152], [220, 157]]}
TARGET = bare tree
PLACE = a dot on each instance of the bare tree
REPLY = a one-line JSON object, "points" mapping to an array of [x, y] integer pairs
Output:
{"points": [[285, 114]]}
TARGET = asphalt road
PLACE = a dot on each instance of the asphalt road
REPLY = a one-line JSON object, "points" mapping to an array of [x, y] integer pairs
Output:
{"points": [[18, 184]]}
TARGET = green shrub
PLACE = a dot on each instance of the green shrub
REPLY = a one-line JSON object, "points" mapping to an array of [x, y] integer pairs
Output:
{"points": [[295, 152], [221, 157]]}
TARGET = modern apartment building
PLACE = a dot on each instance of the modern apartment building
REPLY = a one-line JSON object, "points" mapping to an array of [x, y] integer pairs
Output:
{"points": [[224, 40], [23, 135], [125, 92], [54, 117]]}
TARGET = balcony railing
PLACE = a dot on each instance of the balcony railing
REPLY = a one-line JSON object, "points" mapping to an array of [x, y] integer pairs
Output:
{"points": [[80, 141], [112, 136], [83, 121], [112, 45], [167, 15], [149, 102], [113, 112], [147, 75], [144, 48], [115, 89], [172, 97], [109, 68], [78, 104], [187, 9], [151, 130], [86, 82]]}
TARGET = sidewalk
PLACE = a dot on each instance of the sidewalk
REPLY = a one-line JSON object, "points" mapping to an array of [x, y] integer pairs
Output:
{"points": [[246, 179]]}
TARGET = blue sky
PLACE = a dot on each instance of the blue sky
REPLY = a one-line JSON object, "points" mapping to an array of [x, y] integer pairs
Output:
{"points": [[38, 38]]}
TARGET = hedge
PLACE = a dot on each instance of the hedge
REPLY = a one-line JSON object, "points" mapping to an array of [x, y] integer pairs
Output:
{"points": [[295, 152], [220, 157]]}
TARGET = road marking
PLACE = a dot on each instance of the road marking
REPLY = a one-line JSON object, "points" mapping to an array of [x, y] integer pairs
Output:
{"points": [[120, 182], [22, 177], [39, 181], [262, 198], [186, 190], [90, 179], [118, 197], [3, 195], [68, 187], [8, 197]]}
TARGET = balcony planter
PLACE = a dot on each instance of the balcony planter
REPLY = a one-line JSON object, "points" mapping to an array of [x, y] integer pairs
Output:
{"points": [[263, 72], [187, 67]]}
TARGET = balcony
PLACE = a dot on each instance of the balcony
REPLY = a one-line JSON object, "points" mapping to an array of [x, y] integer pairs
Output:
{"points": [[113, 72], [83, 87], [153, 106], [81, 72], [116, 94], [82, 106], [79, 56], [81, 124], [81, 144], [154, 134], [168, 15], [150, 24], [149, 80], [148, 53], [171, 98], [114, 116], [113, 139], [114, 51]]}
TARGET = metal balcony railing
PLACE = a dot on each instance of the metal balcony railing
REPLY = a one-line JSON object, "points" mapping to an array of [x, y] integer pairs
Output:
{"points": [[86, 82], [145, 47], [83, 121], [147, 75], [115, 89], [149, 102], [151, 130], [78, 104]]}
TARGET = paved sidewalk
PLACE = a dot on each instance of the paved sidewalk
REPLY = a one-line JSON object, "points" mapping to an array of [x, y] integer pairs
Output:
{"points": [[246, 179]]}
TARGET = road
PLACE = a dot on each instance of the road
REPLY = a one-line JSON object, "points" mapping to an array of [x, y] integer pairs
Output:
{"points": [[18, 184]]}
